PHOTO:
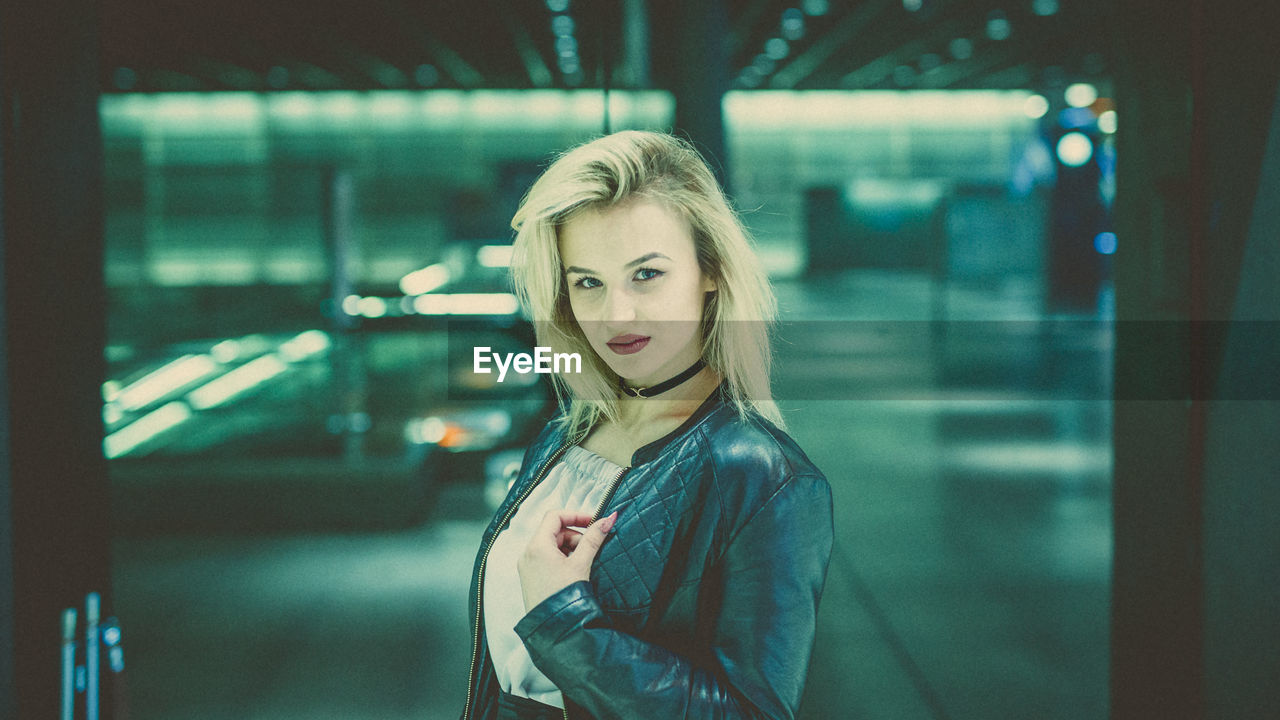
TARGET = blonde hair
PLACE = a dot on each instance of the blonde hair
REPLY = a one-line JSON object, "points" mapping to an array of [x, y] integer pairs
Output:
{"points": [[604, 173]]}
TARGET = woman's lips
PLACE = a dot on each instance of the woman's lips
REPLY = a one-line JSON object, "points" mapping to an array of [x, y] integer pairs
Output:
{"points": [[628, 344]]}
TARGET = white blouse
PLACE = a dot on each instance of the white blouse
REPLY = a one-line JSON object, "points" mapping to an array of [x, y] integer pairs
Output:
{"points": [[577, 482]]}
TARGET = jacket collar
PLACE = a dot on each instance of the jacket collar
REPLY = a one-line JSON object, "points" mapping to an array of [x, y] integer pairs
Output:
{"points": [[717, 398]]}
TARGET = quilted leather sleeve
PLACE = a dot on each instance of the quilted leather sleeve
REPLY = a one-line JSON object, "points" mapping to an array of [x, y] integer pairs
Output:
{"points": [[768, 583]]}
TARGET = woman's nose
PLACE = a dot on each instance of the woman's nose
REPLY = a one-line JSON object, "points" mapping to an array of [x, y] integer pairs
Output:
{"points": [[619, 306]]}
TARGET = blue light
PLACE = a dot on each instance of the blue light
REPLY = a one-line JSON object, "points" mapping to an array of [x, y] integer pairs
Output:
{"points": [[1105, 243], [1076, 117]]}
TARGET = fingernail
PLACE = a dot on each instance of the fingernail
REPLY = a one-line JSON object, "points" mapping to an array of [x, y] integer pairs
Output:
{"points": [[607, 525]]}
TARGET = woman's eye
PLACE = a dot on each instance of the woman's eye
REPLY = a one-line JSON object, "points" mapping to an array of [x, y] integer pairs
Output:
{"points": [[647, 274], [586, 283]]}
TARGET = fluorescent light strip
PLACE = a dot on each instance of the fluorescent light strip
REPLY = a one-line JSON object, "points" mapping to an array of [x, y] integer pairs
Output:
{"points": [[236, 382], [173, 376], [467, 304], [425, 280], [1061, 457], [494, 256], [304, 345], [148, 426]]}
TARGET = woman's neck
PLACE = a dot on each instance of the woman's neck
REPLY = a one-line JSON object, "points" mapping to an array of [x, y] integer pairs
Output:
{"points": [[678, 402]]}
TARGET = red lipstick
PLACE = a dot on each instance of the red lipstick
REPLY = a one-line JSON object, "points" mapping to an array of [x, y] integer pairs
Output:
{"points": [[628, 344]]}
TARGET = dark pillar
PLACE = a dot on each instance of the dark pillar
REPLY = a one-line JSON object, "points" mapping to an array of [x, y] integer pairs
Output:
{"points": [[700, 73], [54, 522], [1156, 640], [1192, 631], [1241, 90], [1241, 531]]}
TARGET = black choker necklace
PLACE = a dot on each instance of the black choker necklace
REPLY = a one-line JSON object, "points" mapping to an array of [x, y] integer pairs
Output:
{"points": [[648, 392]]}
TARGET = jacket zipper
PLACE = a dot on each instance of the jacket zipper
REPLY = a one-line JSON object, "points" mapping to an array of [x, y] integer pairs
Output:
{"points": [[475, 647], [608, 493], [604, 501]]}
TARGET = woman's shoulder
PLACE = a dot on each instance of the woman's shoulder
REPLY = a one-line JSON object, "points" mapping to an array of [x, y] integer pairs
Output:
{"points": [[758, 470], [747, 447]]}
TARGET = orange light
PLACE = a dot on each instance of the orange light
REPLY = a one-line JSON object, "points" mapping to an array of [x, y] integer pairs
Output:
{"points": [[454, 436]]}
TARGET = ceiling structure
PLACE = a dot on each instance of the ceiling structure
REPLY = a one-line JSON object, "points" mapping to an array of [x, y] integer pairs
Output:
{"points": [[268, 45]]}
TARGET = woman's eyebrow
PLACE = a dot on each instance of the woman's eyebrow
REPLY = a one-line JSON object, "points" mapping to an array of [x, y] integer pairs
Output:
{"points": [[646, 258], [638, 261]]}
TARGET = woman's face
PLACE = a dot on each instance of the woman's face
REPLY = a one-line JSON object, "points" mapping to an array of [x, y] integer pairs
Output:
{"points": [[635, 287]]}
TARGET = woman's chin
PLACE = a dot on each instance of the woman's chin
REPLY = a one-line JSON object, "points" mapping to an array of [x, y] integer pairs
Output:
{"points": [[635, 371], [650, 366], [633, 376]]}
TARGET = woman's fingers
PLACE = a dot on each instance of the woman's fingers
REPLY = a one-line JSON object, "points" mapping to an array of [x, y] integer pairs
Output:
{"points": [[569, 540], [559, 554], [559, 529], [591, 540], [556, 520]]}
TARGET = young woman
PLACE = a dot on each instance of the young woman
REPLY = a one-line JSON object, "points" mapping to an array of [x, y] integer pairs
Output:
{"points": [[663, 549]]}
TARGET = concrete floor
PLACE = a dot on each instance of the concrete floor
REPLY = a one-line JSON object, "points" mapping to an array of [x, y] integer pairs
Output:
{"points": [[970, 577]]}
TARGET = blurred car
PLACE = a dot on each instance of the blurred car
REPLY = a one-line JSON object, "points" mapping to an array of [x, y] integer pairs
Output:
{"points": [[387, 392]]}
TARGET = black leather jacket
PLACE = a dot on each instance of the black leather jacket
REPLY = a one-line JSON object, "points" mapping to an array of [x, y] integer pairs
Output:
{"points": [[702, 603]]}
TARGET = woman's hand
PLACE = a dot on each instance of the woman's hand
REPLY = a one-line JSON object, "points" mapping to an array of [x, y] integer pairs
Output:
{"points": [[558, 556]]}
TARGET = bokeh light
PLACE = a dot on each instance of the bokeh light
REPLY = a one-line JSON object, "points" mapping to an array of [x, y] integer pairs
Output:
{"points": [[1107, 122], [1036, 107], [1080, 95], [1105, 243], [1075, 149]]}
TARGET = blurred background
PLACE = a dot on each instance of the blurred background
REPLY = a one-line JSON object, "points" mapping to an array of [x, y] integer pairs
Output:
{"points": [[1026, 274]]}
